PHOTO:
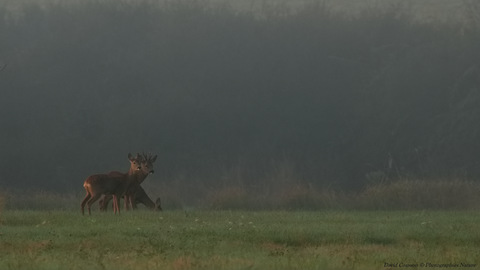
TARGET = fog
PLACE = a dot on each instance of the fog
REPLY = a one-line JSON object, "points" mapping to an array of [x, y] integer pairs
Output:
{"points": [[225, 97]]}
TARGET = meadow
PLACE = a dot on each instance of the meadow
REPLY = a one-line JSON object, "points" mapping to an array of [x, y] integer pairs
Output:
{"points": [[207, 239], [283, 130]]}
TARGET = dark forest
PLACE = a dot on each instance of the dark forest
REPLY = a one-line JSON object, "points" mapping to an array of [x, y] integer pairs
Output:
{"points": [[235, 100]]}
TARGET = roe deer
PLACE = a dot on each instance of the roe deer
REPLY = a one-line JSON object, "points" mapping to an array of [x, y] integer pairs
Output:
{"points": [[147, 169], [140, 197], [107, 184], [131, 196]]}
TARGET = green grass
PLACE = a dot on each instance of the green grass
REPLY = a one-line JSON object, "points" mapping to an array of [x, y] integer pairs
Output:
{"points": [[236, 240]]}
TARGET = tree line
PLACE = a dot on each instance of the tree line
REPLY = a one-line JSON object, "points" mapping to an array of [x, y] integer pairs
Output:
{"points": [[224, 97]]}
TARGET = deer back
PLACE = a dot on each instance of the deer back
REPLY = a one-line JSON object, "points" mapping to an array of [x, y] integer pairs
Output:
{"points": [[114, 183]]}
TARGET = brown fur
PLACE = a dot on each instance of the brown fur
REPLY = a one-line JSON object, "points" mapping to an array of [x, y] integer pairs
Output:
{"points": [[110, 184], [136, 194]]}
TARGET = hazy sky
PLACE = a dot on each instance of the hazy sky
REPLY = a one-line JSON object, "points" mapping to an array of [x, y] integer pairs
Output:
{"points": [[318, 98]]}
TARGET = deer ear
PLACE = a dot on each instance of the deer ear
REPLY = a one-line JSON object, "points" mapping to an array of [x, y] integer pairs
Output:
{"points": [[154, 158], [130, 157]]}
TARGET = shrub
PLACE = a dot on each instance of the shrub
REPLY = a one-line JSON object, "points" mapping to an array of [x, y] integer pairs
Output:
{"points": [[421, 194], [229, 198]]}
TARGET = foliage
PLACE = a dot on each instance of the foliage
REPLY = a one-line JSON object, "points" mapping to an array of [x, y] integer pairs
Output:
{"points": [[416, 194], [396, 195]]}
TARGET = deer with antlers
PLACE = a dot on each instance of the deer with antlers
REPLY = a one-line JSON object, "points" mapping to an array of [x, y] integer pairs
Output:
{"points": [[136, 194], [115, 185]]}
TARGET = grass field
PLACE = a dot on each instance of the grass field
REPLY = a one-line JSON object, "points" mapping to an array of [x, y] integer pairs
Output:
{"points": [[239, 240]]}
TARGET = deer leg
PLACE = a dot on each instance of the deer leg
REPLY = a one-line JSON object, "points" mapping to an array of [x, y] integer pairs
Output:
{"points": [[131, 200], [158, 205], [104, 202], [118, 204], [101, 203], [87, 197], [114, 204], [93, 199], [126, 202], [116, 208], [136, 200]]}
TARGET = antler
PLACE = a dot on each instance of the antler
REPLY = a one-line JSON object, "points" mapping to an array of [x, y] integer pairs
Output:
{"points": [[145, 157], [148, 157]]}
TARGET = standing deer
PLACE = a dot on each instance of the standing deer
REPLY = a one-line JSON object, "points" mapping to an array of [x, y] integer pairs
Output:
{"points": [[136, 194], [107, 184], [146, 169]]}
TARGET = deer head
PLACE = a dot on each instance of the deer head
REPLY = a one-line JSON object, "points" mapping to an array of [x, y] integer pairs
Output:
{"points": [[147, 163], [135, 162]]}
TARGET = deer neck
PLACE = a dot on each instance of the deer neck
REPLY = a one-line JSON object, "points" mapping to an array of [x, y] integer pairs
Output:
{"points": [[132, 174], [141, 176]]}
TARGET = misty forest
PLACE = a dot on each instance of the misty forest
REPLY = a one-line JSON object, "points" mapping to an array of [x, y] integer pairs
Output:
{"points": [[262, 106]]}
